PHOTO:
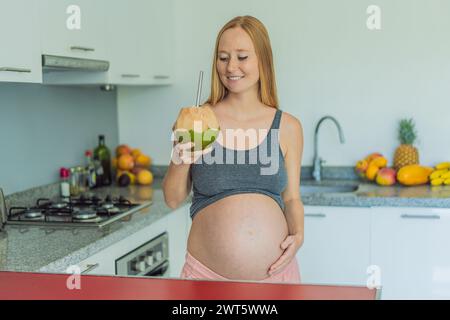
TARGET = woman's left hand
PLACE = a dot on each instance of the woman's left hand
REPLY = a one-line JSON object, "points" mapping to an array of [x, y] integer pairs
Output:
{"points": [[290, 245]]}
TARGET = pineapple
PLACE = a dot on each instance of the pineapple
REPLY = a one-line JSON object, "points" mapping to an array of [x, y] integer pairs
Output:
{"points": [[406, 153]]}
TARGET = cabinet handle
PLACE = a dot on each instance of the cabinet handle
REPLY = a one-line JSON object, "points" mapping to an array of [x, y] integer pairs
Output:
{"points": [[315, 215], [420, 216], [81, 48], [161, 77], [8, 69], [90, 267], [128, 75]]}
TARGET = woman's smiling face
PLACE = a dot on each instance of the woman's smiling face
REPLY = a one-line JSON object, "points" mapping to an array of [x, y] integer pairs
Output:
{"points": [[237, 63]]}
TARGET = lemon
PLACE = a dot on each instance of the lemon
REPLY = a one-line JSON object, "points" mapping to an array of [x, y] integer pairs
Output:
{"points": [[145, 177]]}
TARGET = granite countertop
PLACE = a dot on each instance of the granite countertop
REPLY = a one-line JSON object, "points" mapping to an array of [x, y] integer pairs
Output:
{"points": [[31, 248], [372, 195], [41, 249]]}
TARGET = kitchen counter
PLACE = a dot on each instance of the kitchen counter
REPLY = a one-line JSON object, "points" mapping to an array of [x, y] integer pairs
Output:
{"points": [[49, 249], [53, 286], [39, 249], [373, 195]]}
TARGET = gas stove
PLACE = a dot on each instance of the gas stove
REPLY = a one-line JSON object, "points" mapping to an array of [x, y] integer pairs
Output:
{"points": [[83, 211]]}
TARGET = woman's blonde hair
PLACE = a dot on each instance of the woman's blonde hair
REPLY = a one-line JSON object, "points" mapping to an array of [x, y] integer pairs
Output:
{"points": [[258, 33]]}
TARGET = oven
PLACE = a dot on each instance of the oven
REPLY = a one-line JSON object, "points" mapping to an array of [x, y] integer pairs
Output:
{"points": [[148, 260]]}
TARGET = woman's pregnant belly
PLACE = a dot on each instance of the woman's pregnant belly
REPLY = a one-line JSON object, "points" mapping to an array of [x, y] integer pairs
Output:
{"points": [[239, 236]]}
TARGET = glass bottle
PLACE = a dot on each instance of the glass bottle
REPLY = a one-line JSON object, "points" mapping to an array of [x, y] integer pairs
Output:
{"points": [[90, 170], [103, 155]]}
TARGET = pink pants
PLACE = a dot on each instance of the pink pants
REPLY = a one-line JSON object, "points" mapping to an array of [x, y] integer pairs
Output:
{"points": [[194, 269]]}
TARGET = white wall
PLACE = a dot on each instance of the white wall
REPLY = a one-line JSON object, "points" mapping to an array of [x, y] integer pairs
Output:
{"points": [[44, 128], [327, 62]]}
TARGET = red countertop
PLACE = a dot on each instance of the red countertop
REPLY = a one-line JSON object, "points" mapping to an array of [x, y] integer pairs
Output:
{"points": [[21, 285]]}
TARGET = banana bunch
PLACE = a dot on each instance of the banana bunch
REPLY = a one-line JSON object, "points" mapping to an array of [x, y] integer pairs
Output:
{"points": [[441, 174]]}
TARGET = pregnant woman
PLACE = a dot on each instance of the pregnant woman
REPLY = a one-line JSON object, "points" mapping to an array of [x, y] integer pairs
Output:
{"points": [[247, 223]]}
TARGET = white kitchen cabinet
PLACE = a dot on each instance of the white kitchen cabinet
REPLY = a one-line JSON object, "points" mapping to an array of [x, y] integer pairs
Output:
{"points": [[103, 262], [174, 223], [138, 41], [157, 48], [126, 65], [61, 34], [139, 49], [20, 59], [336, 248], [177, 229], [410, 245]]}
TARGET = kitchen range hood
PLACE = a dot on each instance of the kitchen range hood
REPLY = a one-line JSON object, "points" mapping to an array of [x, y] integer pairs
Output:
{"points": [[59, 63]]}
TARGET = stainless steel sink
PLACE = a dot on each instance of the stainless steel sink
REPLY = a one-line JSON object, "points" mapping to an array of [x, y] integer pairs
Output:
{"points": [[312, 189]]}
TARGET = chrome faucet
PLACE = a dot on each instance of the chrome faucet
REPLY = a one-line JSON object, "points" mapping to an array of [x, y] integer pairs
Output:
{"points": [[317, 171]]}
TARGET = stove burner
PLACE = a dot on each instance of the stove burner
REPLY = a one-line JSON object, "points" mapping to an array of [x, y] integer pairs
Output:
{"points": [[108, 206], [107, 209], [59, 205], [32, 214], [85, 214], [88, 209], [114, 210]]}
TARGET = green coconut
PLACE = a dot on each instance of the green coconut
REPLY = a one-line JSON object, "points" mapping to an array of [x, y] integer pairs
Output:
{"points": [[198, 125]]}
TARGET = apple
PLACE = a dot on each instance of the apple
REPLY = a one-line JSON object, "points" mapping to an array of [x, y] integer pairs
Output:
{"points": [[386, 177]]}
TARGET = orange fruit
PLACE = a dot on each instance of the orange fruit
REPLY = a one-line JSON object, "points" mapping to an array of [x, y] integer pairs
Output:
{"points": [[122, 149], [125, 162], [136, 153], [143, 160]]}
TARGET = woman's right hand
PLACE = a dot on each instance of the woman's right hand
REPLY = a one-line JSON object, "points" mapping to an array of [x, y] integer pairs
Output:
{"points": [[182, 154]]}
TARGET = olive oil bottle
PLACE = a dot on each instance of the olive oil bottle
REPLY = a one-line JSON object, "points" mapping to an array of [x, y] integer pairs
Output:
{"points": [[102, 156]]}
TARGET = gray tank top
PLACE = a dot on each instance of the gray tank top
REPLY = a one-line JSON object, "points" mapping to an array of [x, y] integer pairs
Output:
{"points": [[224, 172]]}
